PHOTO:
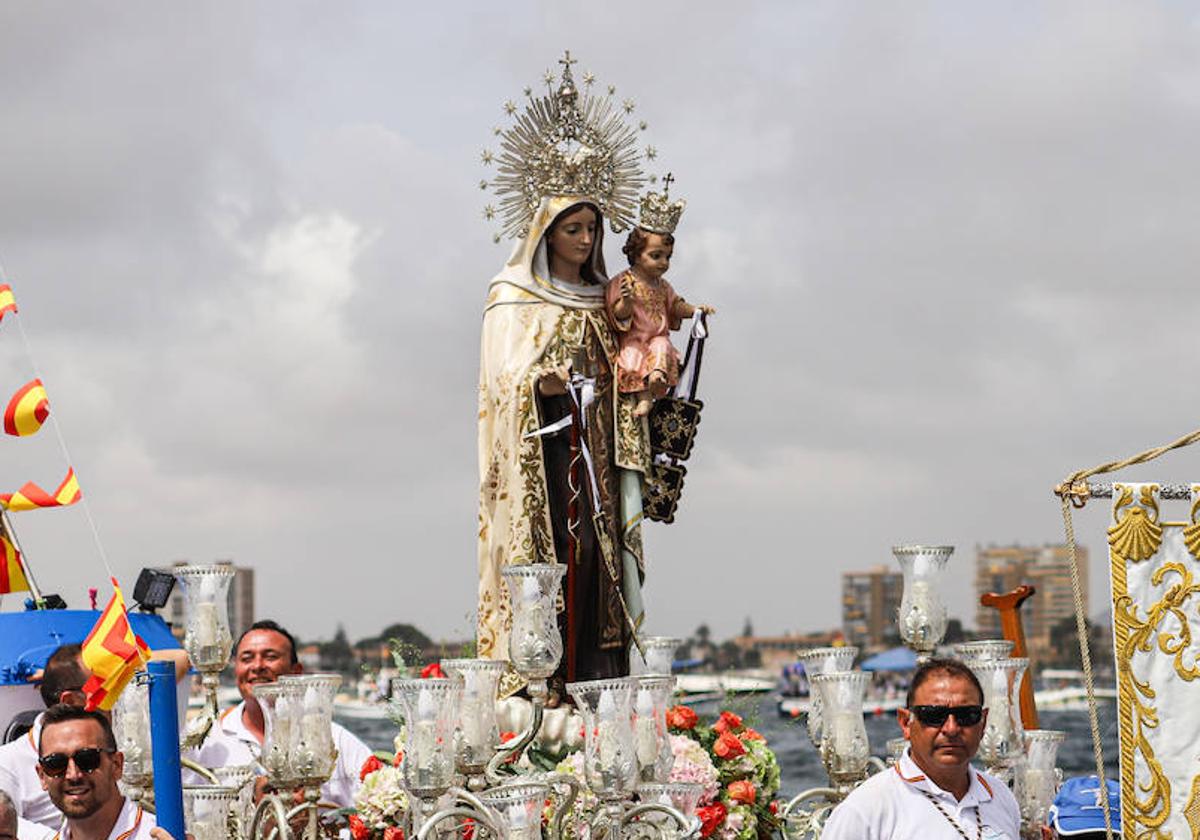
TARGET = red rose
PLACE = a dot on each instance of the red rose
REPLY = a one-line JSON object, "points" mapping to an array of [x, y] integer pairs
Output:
{"points": [[358, 829], [774, 806], [369, 766], [727, 722], [393, 832], [681, 717], [728, 746], [711, 817], [742, 791], [752, 735], [433, 669]]}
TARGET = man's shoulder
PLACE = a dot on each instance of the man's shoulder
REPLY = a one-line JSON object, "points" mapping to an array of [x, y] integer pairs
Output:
{"points": [[873, 794], [17, 749], [1002, 795]]}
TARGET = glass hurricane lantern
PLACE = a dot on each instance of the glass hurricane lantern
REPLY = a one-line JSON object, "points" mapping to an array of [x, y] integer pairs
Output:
{"points": [[922, 617]]}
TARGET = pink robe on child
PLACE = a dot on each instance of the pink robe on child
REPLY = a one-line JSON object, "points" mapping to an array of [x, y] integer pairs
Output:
{"points": [[643, 336]]}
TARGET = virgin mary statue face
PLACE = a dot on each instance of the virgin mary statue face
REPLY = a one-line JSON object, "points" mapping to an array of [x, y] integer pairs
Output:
{"points": [[569, 242]]}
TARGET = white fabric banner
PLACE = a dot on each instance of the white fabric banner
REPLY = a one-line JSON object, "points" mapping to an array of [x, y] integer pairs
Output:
{"points": [[1156, 634]]}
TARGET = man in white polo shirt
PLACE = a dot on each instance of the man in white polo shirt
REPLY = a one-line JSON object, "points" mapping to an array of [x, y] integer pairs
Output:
{"points": [[79, 766], [263, 654], [933, 792]]}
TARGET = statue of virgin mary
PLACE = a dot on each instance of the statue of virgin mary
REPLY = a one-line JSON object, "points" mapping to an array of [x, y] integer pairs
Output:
{"points": [[545, 315]]}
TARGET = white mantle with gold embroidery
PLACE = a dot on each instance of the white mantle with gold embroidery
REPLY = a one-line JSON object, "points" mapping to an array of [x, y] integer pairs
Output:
{"points": [[1156, 627]]}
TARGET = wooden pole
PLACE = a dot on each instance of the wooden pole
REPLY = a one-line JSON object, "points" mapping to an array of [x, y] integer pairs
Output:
{"points": [[1009, 607]]}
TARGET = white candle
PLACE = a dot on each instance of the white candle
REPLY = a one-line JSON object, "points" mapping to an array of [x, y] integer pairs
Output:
{"points": [[519, 827], [425, 731], [606, 731], [472, 719], [207, 627], [645, 736]]}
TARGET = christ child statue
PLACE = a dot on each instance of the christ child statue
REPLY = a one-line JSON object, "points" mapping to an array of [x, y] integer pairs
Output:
{"points": [[644, 308]]}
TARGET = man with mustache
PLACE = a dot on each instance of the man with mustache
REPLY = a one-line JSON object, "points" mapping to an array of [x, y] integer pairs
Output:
{"points": [[933, 792], [263, 654]]}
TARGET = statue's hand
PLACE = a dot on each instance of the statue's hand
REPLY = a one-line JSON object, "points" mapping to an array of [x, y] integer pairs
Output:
{"points": [[554, 383], [706, 309], [627, 282]]}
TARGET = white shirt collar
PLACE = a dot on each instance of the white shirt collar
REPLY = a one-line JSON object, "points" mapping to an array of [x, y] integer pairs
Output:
{"points": [[233, 723], [978, 791]]}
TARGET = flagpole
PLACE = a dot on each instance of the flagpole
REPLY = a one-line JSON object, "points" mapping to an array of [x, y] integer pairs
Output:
{"points": [[11, 534]]}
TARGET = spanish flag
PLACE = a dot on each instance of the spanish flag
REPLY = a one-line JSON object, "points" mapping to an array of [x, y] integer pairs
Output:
{"points": [[8, 303], [12, 576], [27, 410], [31, 497], [112, 653]]}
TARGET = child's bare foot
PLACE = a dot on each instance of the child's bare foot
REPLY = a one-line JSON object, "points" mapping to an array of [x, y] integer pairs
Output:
{"points": [[643, 407]]}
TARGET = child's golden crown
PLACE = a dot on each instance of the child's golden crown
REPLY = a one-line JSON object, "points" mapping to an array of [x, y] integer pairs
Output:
{"points": [[658, 213]]}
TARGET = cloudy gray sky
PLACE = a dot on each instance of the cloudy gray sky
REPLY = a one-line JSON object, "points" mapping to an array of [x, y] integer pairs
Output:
{"points": [[952, 246]]}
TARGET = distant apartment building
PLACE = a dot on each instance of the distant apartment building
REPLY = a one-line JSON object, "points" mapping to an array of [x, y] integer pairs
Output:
{"points": [[1001, 569], [870, 603], [241, 601]]}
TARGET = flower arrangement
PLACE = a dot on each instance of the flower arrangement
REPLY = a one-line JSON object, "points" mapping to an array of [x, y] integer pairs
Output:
{"points": [[741, 803], [380, 803]]}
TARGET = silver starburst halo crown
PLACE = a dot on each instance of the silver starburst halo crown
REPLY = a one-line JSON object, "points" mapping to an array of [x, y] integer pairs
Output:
{"points": [[658, 213], [566, 142]]}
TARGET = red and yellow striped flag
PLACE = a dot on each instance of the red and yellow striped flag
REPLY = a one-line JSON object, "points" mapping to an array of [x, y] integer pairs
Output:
{"points": [[112, 653], [27, 410], [8, 303], [12, 576], [31, 497]]}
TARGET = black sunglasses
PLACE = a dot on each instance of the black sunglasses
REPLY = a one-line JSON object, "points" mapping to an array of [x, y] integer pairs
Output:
{"points": [[935, 716], [86, 759]]}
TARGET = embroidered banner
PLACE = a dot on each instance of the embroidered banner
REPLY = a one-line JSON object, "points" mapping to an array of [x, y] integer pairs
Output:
{"points": [[1156, 617]]}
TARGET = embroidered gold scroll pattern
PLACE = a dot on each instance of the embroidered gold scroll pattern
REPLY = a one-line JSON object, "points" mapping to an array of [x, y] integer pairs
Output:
{"points": [[1134, 538]]}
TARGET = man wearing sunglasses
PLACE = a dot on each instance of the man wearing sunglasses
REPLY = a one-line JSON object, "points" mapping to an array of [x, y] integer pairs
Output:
{"points": [[62, 681], [79, 766], [933, 792]]}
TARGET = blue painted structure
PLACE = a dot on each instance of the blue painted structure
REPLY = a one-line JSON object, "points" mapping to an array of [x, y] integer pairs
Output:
{"points": [[896, 659], [164, 748], [28, 638]]}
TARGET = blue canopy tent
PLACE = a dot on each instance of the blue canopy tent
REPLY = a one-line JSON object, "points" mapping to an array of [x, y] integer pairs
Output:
{"points": [[896, 659], [28, 638]]}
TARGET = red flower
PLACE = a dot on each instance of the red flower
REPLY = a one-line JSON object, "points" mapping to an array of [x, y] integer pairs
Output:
{"points": [[393, 832], [358, 830], [468, 829], [505, 737], [774, 806], [433, 669], [711, 817], [727, 722], [728, 746], [369, 766], [681, 717], [752, 735], [742, 791], [398, 759]]}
